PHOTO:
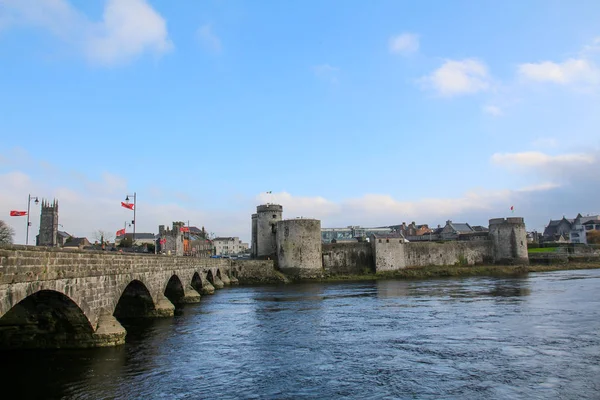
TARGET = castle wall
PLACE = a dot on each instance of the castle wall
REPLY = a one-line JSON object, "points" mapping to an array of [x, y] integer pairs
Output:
{"points": [[268, 215], [347, 258], [299, 247], [394, 255]]}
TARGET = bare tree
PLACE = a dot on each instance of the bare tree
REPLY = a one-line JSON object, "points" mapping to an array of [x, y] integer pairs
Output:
{"points": [[6, 233], [101, 235]]}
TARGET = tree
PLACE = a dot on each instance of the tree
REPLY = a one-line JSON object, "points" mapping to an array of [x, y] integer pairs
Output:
{"points": [[102, 236], [593, 237], [6, 233], [126, 242]]}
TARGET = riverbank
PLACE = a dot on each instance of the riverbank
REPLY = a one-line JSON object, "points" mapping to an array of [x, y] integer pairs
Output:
{"points": [[459, 271]]}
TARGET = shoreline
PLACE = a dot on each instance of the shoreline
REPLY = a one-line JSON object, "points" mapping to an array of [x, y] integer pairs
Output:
{"points": [[455, 271]]}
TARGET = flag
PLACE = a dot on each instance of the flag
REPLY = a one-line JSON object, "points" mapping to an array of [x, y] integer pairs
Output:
{"points": [[121, 232], [184, 229], [512, 208], [15, 213], [128, 205]]}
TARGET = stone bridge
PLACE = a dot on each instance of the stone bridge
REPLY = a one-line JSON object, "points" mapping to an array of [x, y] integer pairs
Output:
{"points": [[51, 297]]}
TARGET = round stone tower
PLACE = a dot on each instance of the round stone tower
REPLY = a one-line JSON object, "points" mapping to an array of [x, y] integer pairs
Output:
{"points": [[267, 217], [299, 247], [509, 240], [254, 234]]}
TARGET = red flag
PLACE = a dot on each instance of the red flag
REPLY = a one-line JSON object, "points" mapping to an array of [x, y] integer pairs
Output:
{"points": [[120, 232], [14, 213], [184, 229], [512, 208], [127, 205]]}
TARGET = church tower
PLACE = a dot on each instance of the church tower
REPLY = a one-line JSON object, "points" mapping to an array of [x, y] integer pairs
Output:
{"points": [[48, 224]]}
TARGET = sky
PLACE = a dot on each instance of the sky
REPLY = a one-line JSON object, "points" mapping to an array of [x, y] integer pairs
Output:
{"points": [[366, 113]]}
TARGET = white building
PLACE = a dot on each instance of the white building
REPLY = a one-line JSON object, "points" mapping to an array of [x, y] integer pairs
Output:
{"points": [[229, 246], [581, 225]]}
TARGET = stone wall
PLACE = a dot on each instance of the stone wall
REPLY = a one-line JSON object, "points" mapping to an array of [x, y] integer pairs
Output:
{"points": [[348, 258], [394, 255], [255, 271]]}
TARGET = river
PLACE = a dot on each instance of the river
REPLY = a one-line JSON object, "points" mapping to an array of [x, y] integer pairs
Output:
{"points": [[531, 337]]}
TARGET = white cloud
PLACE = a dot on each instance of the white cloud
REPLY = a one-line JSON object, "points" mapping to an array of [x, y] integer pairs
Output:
{"points": [[545, 142], [208, 38], [592, 48], [459, 77], [538, 159], [571, 71], [405, 43], [128, 29], [326, 72], [493, 110]]}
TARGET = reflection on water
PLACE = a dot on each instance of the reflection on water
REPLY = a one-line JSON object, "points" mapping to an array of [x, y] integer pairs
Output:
{"points": [[533, 337]]}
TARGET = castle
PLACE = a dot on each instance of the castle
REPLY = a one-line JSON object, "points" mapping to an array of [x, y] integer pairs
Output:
{"points": [[296, 246]]}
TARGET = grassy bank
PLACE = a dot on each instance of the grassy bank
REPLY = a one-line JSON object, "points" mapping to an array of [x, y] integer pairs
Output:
{"points": [[457, 271]]}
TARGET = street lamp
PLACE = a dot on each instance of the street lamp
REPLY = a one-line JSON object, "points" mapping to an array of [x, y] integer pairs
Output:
{"points": [[134, 209], [29, 197]]}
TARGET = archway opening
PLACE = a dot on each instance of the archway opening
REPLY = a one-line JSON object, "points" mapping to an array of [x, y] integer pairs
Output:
{"points": [[219, 274], [174, 291], [197, 282], [135, 302], [45, 319], [210, 277]]}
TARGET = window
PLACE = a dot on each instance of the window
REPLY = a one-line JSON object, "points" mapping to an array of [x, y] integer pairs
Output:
{"points": [[387, 240], [274, 216]]}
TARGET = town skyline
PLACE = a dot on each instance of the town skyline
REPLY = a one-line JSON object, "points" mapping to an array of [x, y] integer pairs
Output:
{"points": [[354, 114]]}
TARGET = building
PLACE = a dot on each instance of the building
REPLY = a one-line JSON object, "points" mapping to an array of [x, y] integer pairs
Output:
{"points": [[570, 230], [141, 238], [351, 233], [76, 243], [557, 228], [196, 242], [229, 246], [581, 225], [411, 229], [452, 230], [48, 235]]}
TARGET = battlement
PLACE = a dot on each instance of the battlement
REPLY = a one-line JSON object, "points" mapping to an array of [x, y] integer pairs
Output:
{"points": [[49, 206], [509, 220], [269, 208]]}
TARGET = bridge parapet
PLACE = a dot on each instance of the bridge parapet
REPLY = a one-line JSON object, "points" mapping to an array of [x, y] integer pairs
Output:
{"points": [[95, 281]]}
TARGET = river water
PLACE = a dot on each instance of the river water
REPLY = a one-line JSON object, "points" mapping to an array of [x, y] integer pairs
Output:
{"points": [[530, 337]]}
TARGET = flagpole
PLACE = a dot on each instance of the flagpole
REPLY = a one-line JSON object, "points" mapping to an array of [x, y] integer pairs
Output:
{"points": [[134, 210], [27, 234], [28, 208]]}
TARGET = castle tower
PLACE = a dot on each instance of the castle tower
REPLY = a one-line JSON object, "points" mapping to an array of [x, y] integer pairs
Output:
{"points": [[299, 249], [48, 224], [509, 240], [267, 216], [254, 234]]}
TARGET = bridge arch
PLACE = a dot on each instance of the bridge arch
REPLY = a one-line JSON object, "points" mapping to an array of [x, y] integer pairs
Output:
{"points": [[174, 290], [197, 282], [45, 319], [134, 301]]}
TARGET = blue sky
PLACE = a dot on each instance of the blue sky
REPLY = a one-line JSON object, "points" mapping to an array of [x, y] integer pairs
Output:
{"points": [[353, 112]]}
